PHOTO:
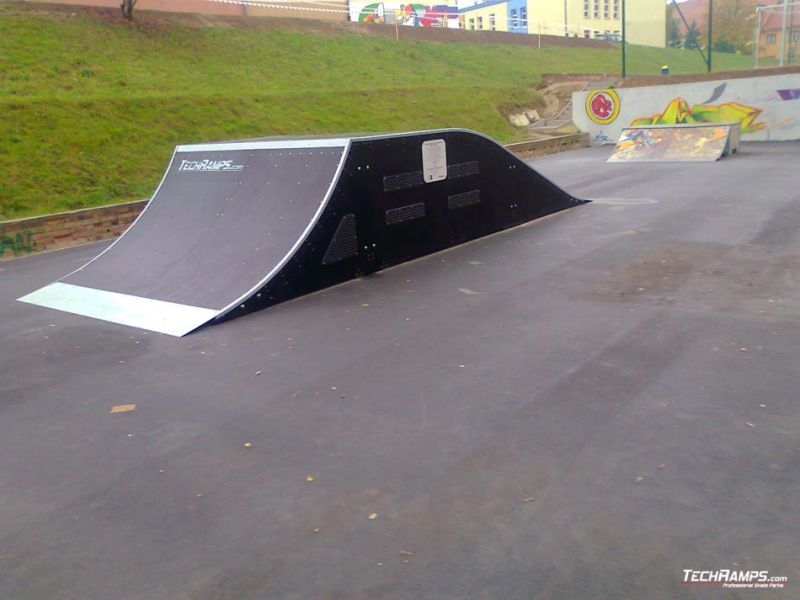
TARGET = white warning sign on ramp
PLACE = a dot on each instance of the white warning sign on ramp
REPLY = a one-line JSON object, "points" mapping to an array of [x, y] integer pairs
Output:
{"points": [[434, 160]]}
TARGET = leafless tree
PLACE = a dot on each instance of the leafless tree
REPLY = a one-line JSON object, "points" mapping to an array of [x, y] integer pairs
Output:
{"points": [[127, 8]]}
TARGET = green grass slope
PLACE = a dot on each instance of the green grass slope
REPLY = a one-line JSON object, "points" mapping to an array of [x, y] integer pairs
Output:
{"points": [[92, 106]]}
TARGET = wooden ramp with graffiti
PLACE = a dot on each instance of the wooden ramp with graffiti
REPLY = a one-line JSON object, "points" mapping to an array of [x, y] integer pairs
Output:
{"points": [[680, 143]]}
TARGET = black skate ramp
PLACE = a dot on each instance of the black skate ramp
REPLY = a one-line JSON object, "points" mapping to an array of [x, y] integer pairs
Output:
{"points": [[238, 226]]}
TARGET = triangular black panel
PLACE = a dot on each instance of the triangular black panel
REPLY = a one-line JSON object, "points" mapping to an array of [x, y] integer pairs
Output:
{"points": [[344, 243]]}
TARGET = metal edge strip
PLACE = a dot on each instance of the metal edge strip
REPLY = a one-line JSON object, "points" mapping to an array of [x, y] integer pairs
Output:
{"points": [[161, 316], [273, 145], [315, 219]]}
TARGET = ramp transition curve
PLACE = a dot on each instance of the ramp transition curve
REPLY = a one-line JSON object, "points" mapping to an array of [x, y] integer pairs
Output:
{"points": [[238, 226]]}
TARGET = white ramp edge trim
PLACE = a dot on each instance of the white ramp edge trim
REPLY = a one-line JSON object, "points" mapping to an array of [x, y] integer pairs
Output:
{"points": [[270, 145], [145, 313]]}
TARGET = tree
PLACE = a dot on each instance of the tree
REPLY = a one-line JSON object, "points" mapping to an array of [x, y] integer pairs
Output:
{"points": [[692, 39], [724, 46], [734, 23], [127, 8], [674, 39]]}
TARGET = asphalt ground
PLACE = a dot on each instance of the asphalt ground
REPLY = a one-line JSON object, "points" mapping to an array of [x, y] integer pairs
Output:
{"points": [[578, 408]]}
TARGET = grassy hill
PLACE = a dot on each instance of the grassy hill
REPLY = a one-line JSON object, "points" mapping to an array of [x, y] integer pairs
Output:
{"points": [[93, 105]]}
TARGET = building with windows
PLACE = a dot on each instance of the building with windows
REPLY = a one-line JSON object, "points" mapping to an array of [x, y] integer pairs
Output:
{"points": [[492, 15], [646, 22], [594, 19], [518, 16], [770, 38]]}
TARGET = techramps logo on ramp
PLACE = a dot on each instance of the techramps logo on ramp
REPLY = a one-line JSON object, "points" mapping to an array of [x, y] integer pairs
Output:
{"points": [[208, 165]]}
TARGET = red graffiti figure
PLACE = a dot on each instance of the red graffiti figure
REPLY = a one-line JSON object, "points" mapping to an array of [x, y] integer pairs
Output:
{"points": [[602, 106]]}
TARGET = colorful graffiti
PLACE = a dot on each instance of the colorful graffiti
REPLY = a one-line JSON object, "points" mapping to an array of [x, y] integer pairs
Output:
{"points": [[671, 144], [678, 112], [789, 94], [372, 13], [603, 106], [16, 245], [414, 15]]}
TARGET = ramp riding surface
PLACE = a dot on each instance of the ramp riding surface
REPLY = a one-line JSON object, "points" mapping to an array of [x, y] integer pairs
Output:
{"points": [[235, 227], [558, 411], [674, 143]]}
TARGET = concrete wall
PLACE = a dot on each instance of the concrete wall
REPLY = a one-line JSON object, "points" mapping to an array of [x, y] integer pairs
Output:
{"points": [[443, 14], [767, 107], [307, 9]]}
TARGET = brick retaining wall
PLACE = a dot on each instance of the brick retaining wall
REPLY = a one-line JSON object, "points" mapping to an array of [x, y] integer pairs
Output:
{"points": [[648, 80], [553, 145], [62, 230], [550, 78]]}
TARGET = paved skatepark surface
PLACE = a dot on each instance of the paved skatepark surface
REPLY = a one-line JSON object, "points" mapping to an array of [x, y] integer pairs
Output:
{"points": [[581, 407]]}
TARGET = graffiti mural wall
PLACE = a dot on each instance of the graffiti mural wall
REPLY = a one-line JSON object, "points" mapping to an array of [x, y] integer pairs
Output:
{"points": [[768, 108], [410, 15]]}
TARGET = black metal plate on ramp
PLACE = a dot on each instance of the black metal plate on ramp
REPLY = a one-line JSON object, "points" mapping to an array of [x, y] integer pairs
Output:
{"points": [[239, 226]]}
